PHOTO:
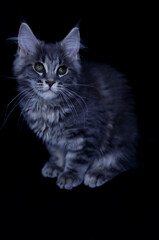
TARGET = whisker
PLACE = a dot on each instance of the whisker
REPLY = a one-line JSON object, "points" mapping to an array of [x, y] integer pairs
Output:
{"points": [[16, 97], [6, 77], [21, 95], [15, 105], [21, 113], [82, 84], [72, 95], [7, 116], [69, 103], [77, 97], [71, 106]]}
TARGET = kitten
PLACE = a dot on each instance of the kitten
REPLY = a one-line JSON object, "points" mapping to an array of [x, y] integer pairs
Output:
{"points": [[83, 112]]}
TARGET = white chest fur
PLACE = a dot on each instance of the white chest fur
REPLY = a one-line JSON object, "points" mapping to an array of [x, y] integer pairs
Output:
{"points": [[42, 118]]}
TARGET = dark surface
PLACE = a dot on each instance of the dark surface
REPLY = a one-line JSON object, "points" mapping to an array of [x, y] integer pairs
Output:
{"points": [[124, 208]]}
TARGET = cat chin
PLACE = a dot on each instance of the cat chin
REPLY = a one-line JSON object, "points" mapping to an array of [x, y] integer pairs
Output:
{"points": [[48, 95]]}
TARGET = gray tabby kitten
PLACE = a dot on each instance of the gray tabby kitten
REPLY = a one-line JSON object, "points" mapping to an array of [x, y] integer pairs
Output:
{"points": [[82, 111]]}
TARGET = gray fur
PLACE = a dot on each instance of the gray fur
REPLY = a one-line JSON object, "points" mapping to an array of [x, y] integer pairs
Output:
{"points": [[85, 117]]}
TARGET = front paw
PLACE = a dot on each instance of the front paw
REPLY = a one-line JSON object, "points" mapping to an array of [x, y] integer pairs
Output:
{"points": [[50, 170], [95, 178], [68, 180]]}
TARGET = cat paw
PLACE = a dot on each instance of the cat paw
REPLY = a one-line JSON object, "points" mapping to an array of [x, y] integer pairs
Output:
{"points": [[95, 178], [67, 180], [50, 170]]}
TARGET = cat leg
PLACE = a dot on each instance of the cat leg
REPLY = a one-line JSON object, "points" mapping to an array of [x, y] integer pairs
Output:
{"points": [[103, 170], [97, 177], [75, 168], [51, 170], [54, 166]]}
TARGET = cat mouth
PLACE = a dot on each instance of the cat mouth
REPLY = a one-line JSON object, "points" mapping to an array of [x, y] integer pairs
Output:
{"points": [[47, 93], [47, 90]]}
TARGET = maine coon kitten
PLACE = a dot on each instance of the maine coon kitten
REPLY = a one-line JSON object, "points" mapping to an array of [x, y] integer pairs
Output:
{"points": [[82, 111]]}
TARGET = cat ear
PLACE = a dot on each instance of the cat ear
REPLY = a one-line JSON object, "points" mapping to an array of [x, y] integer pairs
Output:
{"points": [[71, 43], [27, 41]]}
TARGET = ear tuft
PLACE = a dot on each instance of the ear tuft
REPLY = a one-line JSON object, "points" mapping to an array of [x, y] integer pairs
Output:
{"points": [[71, 43], [27, 41]]}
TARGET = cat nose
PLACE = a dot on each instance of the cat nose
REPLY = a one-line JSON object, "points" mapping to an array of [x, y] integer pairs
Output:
{"points": [[50, 83]]}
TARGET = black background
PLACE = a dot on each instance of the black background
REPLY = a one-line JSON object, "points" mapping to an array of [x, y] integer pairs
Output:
{"points": [[124, 208]]}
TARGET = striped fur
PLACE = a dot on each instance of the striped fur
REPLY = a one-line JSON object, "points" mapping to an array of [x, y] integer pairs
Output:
{"points": [[85, 117]]}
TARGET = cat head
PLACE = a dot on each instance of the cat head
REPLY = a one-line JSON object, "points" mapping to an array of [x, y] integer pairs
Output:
{"points": [[47, 69]]}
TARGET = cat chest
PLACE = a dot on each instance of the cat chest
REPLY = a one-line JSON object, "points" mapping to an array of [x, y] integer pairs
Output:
{"points": [[46, 123]]}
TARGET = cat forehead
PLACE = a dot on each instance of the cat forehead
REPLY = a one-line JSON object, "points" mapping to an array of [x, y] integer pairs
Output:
{"points": [[51, 52], [53, 60]]}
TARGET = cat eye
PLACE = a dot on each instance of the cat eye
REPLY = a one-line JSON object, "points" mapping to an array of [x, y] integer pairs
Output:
{"points": [[62, 70], [39, 67]]}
